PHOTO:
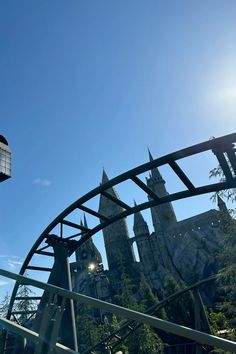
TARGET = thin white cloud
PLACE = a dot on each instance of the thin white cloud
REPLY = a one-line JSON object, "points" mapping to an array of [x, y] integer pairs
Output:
{"points": [[17, 262], [11, 265], [12, 262], [42, 182], [3, 282]]}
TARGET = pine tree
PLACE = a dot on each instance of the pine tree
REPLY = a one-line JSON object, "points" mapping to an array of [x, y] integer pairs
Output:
{"points": [[4, 305], [146, 341], [227, 257], [227, 281], [25, 305], [180, 310]]}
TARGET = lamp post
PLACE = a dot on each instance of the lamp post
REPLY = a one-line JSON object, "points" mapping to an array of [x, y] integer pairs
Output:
{"points": [[5, 159]]}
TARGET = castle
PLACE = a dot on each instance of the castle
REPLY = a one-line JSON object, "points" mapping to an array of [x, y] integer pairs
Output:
{"points": [[185, 249]]}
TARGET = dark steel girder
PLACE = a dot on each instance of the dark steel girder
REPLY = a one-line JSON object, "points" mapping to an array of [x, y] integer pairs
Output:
{"points": [[166, 326], [219, 146]]}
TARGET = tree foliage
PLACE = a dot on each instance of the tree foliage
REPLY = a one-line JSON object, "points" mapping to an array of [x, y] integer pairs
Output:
{"points": [[228, 194], [225, 315]]}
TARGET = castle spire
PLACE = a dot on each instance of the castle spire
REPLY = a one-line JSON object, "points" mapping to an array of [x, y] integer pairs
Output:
{"points": [[111, 190], [87, 253], [221, 204], [81, 223], [104, 176], [155, 173], [85, 222], [163, 216], [138, 219], [116, 236]]}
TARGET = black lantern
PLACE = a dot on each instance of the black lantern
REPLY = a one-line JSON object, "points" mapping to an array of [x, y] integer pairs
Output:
{"points": [[5, 159]]}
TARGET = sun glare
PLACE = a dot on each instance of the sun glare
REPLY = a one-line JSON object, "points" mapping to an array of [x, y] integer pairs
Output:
{"points": [[220, 92]]}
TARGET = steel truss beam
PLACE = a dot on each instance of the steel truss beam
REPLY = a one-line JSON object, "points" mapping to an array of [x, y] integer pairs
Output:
{"points": [[133, 326], [224, 151], [158, 323], [31, 335]]}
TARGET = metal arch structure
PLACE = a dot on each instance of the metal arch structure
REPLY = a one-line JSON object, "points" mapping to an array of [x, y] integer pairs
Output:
{"points": [[222, 148], [195, 335], [120, 335]]}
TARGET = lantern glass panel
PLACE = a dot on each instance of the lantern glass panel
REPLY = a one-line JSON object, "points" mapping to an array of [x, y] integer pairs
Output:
{"points": [[5, 162]]}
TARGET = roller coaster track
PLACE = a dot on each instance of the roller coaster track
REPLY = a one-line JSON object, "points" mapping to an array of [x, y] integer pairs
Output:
{"points": [[222, 148]]}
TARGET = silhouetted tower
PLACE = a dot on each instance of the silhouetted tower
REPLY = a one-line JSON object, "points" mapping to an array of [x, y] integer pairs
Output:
{"points": [[87, 255], [142, 236], [221, 205], [116, 236], [162, 215]]}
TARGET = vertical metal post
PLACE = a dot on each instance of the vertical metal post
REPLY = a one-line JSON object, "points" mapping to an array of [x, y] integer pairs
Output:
{"points": [[201, 319], [56, 317]]}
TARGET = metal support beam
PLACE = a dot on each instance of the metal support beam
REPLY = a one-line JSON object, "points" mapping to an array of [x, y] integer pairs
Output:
{"points": [[31, 335], [166, 326], [74, 225], [145, 188], [44, 269], [50, 312], [175, 167], [92, 212], [116, 200]]}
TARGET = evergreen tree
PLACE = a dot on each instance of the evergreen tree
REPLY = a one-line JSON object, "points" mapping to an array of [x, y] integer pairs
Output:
{"points": [[227, 281], [227, 259], [144, 339], [89, 332], [180, 310], [4, 305], [25, 305], [148, 299]]}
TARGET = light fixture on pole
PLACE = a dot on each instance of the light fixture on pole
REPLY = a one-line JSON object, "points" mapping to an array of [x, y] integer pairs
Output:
{"points": [[5, 159]]}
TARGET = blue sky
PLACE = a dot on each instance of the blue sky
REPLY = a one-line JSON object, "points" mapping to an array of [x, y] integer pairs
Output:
{"points": [[87, 84]]}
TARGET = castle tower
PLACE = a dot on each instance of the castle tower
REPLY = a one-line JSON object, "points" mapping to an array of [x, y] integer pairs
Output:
{"points": [[116, 236], [162, 215], [142, 236], [221, 205], [87, 255]]}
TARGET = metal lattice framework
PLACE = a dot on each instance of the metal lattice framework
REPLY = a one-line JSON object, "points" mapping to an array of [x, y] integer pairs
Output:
{"points": [[222, 148]]}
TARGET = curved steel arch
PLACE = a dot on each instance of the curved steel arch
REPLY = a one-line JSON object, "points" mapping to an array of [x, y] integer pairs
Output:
{"points": [[219, 147], [222, 147], [132, 326]]}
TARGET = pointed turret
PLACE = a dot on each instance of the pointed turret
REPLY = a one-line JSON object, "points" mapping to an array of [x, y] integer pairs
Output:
{"points": [[106, 206], [163, 216], [142, 237], [116, 236], [155, 173], [104, 176], [221, 205], [85, 222], [87, 253], [140, 226]]}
